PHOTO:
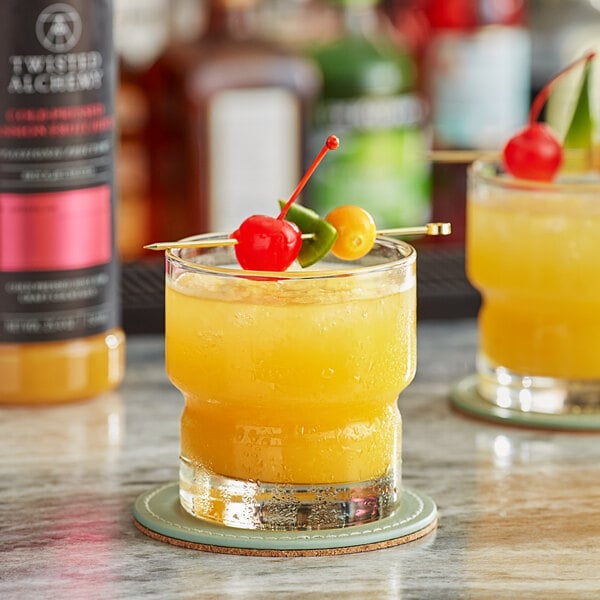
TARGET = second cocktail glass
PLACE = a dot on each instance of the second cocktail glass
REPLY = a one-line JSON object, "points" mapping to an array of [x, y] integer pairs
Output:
{"points": [[290, 383], [532, 251]]}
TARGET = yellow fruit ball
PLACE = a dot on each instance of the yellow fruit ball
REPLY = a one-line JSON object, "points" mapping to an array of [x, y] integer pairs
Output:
{"points": [[356, 231]]}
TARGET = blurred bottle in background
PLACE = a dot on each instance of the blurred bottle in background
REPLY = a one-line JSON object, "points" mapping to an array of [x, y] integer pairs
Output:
{"points": [[298, 24], [477, 67], [227, 124], [143, 30], [370, 100], [561, 30], [475, 58], [60, 338]]}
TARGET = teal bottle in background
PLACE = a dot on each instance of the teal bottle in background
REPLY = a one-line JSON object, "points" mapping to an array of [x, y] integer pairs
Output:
{"points": [[369, 101]]}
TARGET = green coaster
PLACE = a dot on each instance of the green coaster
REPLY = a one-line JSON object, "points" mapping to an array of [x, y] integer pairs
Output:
{"points": [[465, 397], [157, 513]]}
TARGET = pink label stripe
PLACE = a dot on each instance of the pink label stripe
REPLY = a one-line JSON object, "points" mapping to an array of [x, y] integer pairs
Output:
{"points": [[55, 230]]}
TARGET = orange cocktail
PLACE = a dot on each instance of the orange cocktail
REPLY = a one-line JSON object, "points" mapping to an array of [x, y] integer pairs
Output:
{"points": [[532, 251], [290, 385]]}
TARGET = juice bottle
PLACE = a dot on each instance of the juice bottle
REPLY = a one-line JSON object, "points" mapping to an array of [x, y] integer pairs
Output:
{"points": [[59, 316]]}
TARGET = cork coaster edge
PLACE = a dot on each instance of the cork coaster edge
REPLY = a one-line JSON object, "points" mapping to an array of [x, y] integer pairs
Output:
{"points": [[215, 549]]}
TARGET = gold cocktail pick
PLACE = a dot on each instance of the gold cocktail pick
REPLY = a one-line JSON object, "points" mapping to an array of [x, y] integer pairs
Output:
{"points": [[192, 244], [459, 156], [427, 229]]}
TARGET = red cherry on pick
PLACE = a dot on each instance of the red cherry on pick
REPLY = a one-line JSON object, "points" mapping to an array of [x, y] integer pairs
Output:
{"points": [[266, 243], [533, 153], [269, 244]]}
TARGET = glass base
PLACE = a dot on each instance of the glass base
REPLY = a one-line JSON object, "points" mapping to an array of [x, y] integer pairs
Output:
{"points": [[287, 507], [529, 393]]}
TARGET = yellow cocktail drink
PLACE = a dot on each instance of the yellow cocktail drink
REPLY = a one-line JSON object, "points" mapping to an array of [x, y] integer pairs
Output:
{"points": [[532, 251], [291, 383]]}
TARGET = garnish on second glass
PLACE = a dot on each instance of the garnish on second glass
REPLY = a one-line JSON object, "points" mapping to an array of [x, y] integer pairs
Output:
{"points": [[534, 152]]}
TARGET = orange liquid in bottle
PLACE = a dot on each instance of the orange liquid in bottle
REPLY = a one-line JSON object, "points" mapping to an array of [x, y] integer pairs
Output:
{"points": [[51, 372]]}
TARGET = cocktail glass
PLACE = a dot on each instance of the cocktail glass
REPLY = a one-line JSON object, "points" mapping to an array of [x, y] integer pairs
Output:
{"points": [[533, 252], [290, 383]]}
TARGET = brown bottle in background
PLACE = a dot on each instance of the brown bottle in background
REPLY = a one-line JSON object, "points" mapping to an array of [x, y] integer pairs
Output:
{"points": [[227, 125], [141, 32], [143, 29]]}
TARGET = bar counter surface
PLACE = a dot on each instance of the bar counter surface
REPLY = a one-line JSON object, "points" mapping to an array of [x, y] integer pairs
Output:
{"points": [[519, 509]]}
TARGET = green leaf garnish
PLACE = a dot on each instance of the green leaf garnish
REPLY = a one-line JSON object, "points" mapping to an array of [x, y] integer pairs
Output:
{"points": [[324, 234], [579, 133]]}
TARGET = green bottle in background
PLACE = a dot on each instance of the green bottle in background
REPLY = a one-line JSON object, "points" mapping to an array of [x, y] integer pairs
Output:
{"points": [[369, 101]]}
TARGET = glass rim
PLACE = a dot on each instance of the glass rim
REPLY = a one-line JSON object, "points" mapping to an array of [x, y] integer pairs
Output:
{"points": [[491, 171], [409, 255]]}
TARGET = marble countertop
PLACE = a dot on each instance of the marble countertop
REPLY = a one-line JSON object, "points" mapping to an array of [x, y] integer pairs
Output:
{"points": [[519, 510]]}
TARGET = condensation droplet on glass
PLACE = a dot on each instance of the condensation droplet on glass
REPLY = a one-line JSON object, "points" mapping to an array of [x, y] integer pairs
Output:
{"points": [[327, 373]]}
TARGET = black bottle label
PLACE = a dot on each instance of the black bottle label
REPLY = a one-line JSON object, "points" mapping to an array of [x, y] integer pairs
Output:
{"points": [[58, 275]]}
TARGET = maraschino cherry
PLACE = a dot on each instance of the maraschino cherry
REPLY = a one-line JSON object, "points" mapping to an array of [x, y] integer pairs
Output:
{"points": [[534, 152], [266, 243], [272, 244]]}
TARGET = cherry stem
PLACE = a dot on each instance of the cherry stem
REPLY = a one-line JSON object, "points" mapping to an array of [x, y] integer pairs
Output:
{"points": [[540, 99], [331, 143]]}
